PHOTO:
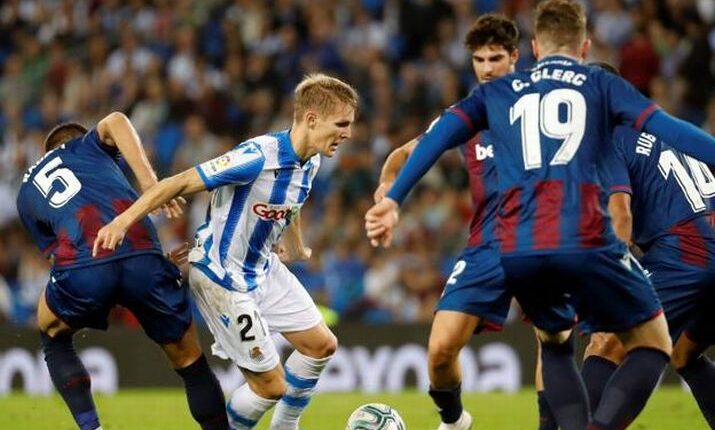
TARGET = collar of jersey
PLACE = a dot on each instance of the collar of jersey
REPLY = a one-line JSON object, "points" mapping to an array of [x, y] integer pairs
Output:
{"points": [[286, 154], [553, 58]]}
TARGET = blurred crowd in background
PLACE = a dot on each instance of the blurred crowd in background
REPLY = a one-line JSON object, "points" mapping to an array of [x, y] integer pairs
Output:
{"points": [[196, 77]]}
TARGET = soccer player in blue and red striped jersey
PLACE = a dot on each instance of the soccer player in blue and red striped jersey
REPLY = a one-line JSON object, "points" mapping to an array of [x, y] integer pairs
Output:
{"points": [[552, 127], [64, 200], [661, 201], [475, 295]]}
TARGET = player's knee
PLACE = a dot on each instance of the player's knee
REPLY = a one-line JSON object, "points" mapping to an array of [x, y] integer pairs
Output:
{"points": [[441, 353], [323, 347], [605, 346], [274, 389]]}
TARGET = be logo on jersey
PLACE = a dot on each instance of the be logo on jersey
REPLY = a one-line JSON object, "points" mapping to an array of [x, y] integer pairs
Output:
{"points": [[269, 212], [483, 153]]}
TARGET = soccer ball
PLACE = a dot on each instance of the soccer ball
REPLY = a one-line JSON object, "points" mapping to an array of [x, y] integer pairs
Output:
{"points": [[375, 416]]}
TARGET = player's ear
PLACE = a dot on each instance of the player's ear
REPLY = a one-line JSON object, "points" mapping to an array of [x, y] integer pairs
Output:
{"points": [[585, 48], [535, 48], [514, 57], [311, 119]]}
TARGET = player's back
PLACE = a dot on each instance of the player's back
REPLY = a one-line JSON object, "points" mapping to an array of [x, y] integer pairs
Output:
{"points": [[671, 192], [70, 193], [553, 125]]}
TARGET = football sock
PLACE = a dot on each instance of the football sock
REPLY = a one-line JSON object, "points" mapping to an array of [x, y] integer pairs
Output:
{"points": [[246, 407], [302, 373], [449, 403], [547, 420], [629, 388], [204, 394], [70, 378], [563, 386], [596, 371], [700, 376]]}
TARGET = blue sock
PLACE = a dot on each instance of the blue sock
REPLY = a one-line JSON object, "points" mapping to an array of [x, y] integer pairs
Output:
{"points": [[629, 388], [203, 392], [700, 376], [70, 378], [547, 420], [449, 403], [596, 371], [563, 386]]}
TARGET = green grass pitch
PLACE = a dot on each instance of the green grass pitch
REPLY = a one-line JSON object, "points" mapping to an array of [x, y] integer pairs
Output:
{"points": [[670, 408]]}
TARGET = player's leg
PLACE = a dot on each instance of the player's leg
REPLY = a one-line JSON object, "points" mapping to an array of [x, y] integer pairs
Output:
{"points": [[151, 289], [539, 288], [59, 314], [240, 333], [451, 330], [603, 355], [547, 420], [698, 371], [288, 309], [474, 298], [614, 295], [313, 350]]}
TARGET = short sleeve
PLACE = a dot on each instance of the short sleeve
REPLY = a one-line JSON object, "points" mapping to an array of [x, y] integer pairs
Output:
{"points": [[626, 104], [91, 142], [239, 166]]}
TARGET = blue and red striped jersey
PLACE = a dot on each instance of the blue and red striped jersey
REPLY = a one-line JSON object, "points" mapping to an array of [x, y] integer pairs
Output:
{"points": [[552, 125], [479, 159], [670, 191], [70, 193]]}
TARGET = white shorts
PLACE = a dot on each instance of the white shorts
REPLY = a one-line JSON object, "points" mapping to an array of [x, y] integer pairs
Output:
{"points": [[242, 323]]}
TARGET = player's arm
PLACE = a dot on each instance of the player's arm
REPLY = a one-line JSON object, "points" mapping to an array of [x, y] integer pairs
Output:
{"points": [[185, 183], [391, 168], [291, 246], [237, 167], [117, 131], [454, 127], [619, 207], [682, 135]]}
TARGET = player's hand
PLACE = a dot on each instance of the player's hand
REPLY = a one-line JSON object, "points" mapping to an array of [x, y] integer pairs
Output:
{"points": [[286, 255], [109, 237], [381, 191], [179, 255], [380, 220], [173, 208]]}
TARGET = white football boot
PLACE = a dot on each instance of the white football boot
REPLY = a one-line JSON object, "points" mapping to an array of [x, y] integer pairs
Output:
{"points": [[463, 423]]}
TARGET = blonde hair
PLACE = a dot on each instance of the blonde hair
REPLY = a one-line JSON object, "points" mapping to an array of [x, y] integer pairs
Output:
{"points": [[560, 23], [322, 93]]}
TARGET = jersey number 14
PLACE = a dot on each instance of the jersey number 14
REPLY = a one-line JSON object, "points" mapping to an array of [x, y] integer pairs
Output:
{"points": [[696, 185], [541, 116]]}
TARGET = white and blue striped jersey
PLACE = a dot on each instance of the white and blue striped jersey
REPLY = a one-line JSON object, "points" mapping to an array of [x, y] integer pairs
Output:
{"points": [[257, 189]]}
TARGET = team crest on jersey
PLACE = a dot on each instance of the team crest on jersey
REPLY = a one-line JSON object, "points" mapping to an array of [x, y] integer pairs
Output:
{"points": [[256, 354], [269, 212]]}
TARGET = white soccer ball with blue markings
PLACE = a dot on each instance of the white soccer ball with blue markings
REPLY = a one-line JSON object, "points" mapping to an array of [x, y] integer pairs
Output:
{"points": [[375, 416]]}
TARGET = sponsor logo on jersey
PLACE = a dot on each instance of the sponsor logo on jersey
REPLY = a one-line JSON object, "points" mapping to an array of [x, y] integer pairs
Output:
{"points": [[269, 212], [484, 152]]}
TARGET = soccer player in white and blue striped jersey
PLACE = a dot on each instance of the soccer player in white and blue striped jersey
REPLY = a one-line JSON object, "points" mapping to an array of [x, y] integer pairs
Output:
{"points": [[242, 288]]}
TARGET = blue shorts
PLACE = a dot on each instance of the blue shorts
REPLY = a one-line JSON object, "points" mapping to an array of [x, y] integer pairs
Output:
{"points": [[148, 285], [605, 287], [476, 287], [686, 290]]}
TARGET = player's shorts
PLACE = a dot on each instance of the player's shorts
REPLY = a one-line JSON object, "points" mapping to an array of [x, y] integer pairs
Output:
{"points": [[148, 285], [606, 288], [477, 287], [242, 323], [685, 289]]}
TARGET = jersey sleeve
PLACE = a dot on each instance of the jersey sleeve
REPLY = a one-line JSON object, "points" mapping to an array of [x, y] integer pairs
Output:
{"points": [[91, 142], [454, 127], [626, 103], [617, 179], [239, 166]]}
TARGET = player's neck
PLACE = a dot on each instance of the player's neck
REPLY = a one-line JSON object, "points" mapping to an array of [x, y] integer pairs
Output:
{"points": [[561, 53], [299, 140]]}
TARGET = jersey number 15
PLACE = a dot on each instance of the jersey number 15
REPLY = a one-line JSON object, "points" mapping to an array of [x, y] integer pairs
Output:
{"points": [[52, 173]]}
